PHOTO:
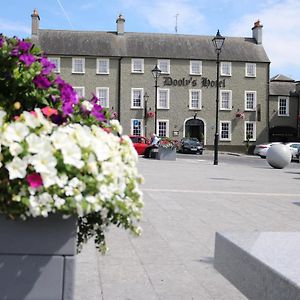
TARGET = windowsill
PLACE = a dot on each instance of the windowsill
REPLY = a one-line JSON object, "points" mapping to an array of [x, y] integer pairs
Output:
{"points": [[163, 108], [136, 72], [283, 115], [195, 74], [225, 75], [102, 73], [248, 76], [225, 109], [136, 107], [195, 108], [80, 73], [250, 110], [225, 140]]}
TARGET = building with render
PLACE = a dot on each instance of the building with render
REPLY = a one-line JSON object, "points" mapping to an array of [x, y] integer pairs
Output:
{"points": [[116, 66]]}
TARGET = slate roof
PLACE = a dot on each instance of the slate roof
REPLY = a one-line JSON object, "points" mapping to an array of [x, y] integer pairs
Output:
{"points": [[281, 85], [147, 45]]}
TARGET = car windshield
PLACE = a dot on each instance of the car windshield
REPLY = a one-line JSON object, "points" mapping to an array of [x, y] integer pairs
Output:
{"points": [[194, 139]]}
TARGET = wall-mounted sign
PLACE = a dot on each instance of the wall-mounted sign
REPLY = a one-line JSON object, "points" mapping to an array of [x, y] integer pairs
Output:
{"points": [[204, 82]]}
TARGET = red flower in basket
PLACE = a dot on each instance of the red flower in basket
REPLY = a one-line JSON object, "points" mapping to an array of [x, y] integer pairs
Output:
{"points": [[150, 114]]}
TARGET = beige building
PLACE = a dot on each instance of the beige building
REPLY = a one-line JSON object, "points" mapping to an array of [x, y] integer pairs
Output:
{"points": [[117, 65]]}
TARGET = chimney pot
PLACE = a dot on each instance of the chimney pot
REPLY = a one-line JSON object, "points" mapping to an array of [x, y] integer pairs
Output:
{"points": [[257, 32], [120, 25]]}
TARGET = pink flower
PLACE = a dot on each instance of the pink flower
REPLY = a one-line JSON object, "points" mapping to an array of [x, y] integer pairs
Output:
{"points": [[34, 180], [48, 111]]}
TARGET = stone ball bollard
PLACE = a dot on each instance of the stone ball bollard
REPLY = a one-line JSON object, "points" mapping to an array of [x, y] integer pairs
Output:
{"points": [[279, 156]]}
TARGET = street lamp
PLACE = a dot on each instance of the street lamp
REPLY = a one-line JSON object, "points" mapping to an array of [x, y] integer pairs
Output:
{"points": [[146, 96], [156, 73], [218, 42]]}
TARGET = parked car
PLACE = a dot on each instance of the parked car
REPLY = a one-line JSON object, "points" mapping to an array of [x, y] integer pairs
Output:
{"points": [[294, 147], [190, 145], [140, 143], [261, 149]]}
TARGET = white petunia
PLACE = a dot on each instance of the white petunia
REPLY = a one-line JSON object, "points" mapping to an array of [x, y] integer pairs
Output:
{"points": [[16, 168], [15, 132], [31, 120], [92, 164], [48, 179], [88, 105], [44, 163], [15, 149], [38, 144], [116, 126], [58, 202], [101, 150], [72, 155]]}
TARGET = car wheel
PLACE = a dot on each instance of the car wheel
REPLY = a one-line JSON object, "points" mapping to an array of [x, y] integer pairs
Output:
{"points": [[200, 152]]}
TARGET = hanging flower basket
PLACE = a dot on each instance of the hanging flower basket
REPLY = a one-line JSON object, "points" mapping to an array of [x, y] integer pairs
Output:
{"points": [[240, 115], [150, 114]]}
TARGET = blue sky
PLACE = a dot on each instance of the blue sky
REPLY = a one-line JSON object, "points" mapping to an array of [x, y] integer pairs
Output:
{"points": [[280, 19]]}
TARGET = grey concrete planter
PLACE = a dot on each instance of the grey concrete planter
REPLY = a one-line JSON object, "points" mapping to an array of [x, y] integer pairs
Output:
{"points": [[166, 153], [37, 258]]}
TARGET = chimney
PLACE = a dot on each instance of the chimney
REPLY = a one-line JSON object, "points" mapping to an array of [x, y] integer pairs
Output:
{"points": [[257, 32], [35, 23], [120, 25]]}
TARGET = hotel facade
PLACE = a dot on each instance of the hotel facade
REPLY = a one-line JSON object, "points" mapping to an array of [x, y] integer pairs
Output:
{"points": [[117, 65]]}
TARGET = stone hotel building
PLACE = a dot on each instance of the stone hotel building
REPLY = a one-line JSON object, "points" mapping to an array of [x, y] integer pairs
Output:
{"points": [[116, 66]]}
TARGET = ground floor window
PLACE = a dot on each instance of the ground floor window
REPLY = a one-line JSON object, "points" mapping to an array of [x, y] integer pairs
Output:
{"points": [[136, 127], [225, 131], [103, 94], [250, 131], [163, 127]]}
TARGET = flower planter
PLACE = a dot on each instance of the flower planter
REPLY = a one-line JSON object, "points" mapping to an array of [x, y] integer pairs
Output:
{"points": [[37, 258], [166, 153]]}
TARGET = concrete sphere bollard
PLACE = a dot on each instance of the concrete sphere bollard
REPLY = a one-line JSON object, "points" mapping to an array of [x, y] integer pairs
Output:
{"points": [[279, 156]]}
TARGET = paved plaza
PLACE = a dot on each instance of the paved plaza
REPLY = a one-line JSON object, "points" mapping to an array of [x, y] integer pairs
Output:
{"points": [[186, 202]]}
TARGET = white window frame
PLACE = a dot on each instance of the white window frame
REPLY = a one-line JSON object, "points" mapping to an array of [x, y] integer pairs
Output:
{"points": [[142, 98], [230, 100], [98, 66], [253, 139], [229, 131], [98, 89], [82, 88], [247, 69], [141, 126], [199, 63], [159, 61], [254, 101], [56, 61], [287, 106], [224, 63], [73, 65], [167, 127], [133, 61], [191, 91], [158, 98]]}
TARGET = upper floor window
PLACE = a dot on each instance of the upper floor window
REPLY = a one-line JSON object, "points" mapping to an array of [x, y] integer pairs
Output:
{"points": [[225, 131], [226, 100], [250, 100], [78, 65], [250, 70], [225, 68], [283, 106], [102, 66], [196, 67], [80, 90], [250, 131], [195, 99], [136, 127], [137, 97], [163, 128], [163, 98], [56, 61], [103, 94], [164, 65], [137, 65]]}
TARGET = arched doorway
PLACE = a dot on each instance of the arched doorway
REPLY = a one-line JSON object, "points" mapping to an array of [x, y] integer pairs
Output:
{"points": [[194, 128]]}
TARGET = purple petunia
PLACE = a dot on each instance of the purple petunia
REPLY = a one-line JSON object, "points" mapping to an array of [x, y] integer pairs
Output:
{"points": [[97, 112], [27, 59], [42, 82], [24, 46], [14, 52], [47, 66], [59, 81], [1, 41]]}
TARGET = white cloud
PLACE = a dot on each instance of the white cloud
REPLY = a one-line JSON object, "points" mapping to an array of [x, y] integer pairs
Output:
{"points": [[281, 28], [10, 28]]}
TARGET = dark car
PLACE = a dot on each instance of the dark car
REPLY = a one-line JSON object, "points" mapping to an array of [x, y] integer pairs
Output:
{"points": [[140, 143], [190, 145]]}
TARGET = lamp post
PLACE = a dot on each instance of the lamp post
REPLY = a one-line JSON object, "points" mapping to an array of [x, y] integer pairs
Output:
{"points": [[146, 96], [156, 73], [218, 42]]}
